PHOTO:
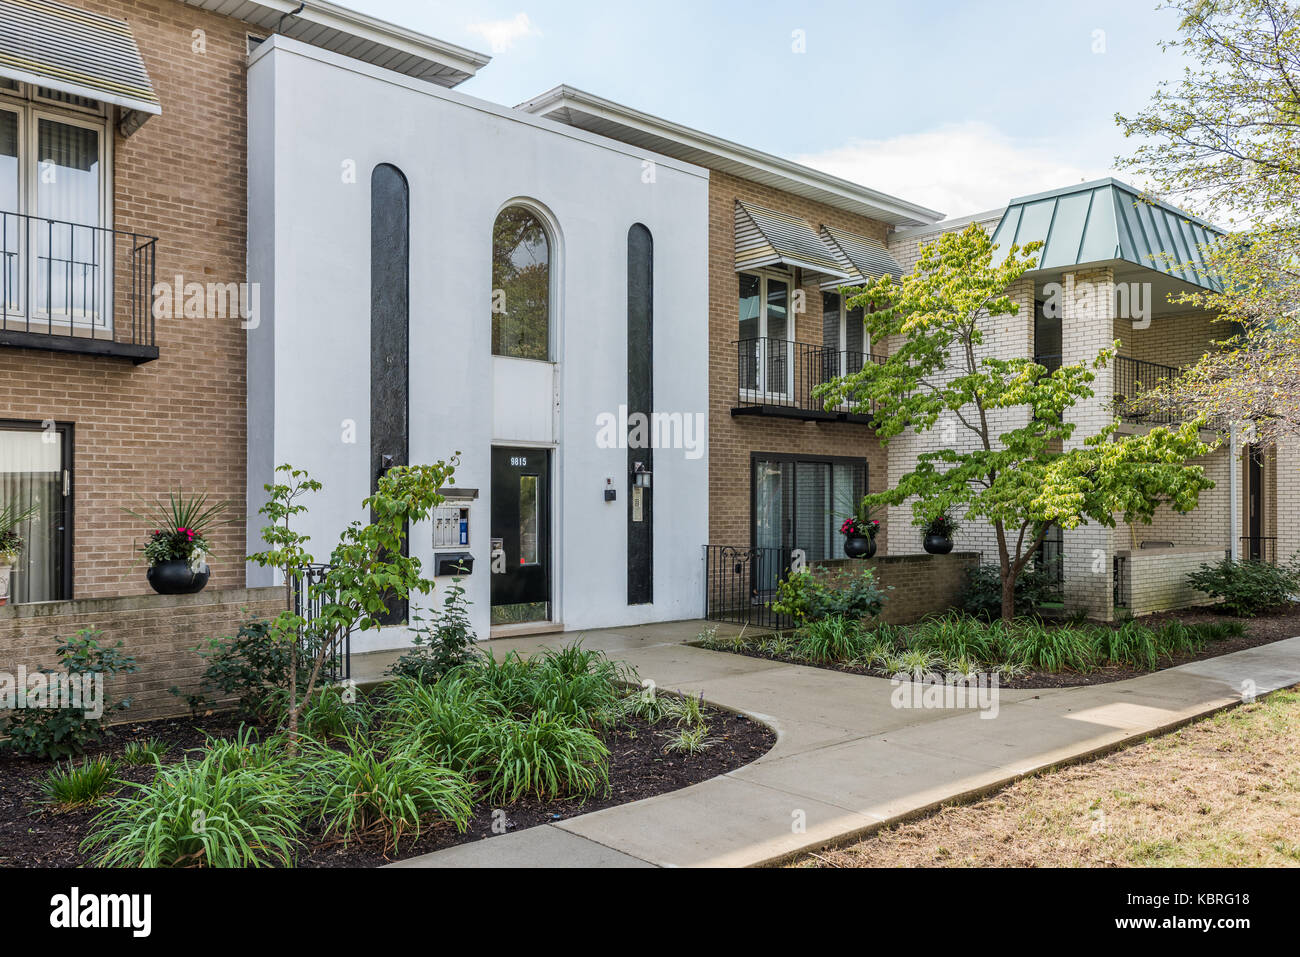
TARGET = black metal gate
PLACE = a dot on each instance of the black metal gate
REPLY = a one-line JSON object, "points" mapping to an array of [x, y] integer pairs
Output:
{"points": [[308, 601], [740, 583]]}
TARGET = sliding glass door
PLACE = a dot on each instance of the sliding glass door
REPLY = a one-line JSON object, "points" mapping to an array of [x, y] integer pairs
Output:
{"points": [[35, 474], [800, 501]]}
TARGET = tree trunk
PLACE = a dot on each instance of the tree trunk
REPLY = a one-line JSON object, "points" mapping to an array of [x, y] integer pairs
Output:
{"points": [[1008, 594]]}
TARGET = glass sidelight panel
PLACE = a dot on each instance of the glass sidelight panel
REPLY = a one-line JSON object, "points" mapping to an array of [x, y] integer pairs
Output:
{"points": [[32, 462], [69, 266], [750, 330], [777, 360], [529, 519], [10, 270]]}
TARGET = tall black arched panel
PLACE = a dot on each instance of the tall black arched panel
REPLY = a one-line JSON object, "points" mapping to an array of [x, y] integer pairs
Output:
{"points": [[640, 398], [390, 317]]}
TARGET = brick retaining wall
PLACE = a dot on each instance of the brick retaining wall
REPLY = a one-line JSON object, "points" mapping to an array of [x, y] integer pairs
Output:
{"points": [[160, 631], [921, 584]]}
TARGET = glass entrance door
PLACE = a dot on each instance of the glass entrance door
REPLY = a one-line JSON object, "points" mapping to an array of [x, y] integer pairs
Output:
{"points": [[521, 535]]}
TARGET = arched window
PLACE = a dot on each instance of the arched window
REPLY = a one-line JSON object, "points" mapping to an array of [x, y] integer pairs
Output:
{"points": [[521, 285]]}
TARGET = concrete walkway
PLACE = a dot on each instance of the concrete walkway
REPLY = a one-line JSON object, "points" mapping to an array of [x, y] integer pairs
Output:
{"points": [[846, 761]]}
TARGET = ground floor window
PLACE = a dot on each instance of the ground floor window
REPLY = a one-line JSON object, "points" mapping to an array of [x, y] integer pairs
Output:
{"points": [[36, 483], [800, 501]]}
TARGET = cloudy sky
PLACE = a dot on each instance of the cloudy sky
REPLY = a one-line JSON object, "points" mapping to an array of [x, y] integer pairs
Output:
{"points": [[958, 106]]}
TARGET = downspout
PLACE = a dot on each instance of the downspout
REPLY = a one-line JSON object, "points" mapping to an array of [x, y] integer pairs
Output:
{"points": [[1234, 493]]}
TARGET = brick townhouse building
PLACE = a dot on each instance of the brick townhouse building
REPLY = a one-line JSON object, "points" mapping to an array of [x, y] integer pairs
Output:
{"points": [[200, 198], [123, 200]]}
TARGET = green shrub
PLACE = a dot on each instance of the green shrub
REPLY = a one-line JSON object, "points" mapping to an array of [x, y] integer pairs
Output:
{"points": [[359, 791], [252, 667], [1045, 648], [812, 595], [1247, 588], [81, 784], [62, 732], [981, 593], [198, 814], [834, 639], [151, 751], [543, 756], [440, 646]]}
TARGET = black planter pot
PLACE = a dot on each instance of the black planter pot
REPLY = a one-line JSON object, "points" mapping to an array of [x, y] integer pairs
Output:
{"points": [[938, 544], [177, 578], [859, 546]]}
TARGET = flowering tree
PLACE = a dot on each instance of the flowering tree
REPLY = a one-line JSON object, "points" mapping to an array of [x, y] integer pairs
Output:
{"points": [[1225, 140], [1018, 480]]}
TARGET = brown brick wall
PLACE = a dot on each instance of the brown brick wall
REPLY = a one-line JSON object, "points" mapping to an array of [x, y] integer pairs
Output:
{"points": [[160, 632], [916, 585], [180, 420], [733, 439]]}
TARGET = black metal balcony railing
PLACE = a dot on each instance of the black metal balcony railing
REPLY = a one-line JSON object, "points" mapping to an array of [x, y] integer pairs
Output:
{"points": [[1133, 377], [73, 288], [778, 376]]}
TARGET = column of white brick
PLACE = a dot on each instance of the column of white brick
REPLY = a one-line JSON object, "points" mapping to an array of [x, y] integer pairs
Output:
{"points": [[1087, 327], [1287, 499]]}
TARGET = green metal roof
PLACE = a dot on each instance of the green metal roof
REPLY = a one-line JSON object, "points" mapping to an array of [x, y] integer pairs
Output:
{"points": [[1107, 220]]}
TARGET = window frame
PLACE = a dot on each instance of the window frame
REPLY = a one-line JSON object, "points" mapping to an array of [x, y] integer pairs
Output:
{"points": [[551, 232], [762, 357], [31, 108], [793, 458], [68, 431]]}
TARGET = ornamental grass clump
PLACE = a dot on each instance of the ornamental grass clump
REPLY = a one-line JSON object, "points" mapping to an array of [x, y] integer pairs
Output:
{"points": [[360, 792], [198, 813]]}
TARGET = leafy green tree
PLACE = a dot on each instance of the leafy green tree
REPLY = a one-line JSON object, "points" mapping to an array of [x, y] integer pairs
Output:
{"points": [[1225, 141], [1020, 478], [367, 568]]}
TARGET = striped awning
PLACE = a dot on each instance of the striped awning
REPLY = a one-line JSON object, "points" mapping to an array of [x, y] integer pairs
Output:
{"points": [[765, 237], [862, 258], [62, 48]]}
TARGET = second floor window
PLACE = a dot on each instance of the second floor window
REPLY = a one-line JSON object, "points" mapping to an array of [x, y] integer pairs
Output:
{"points": [[521, 286], [53, 196]]}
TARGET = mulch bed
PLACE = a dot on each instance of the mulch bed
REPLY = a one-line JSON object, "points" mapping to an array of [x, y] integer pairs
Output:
{"points": [[32, 834], [1261, 630]]}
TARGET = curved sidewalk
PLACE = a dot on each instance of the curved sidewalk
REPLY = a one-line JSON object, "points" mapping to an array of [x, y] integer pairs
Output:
{"points": [[846, 760]]}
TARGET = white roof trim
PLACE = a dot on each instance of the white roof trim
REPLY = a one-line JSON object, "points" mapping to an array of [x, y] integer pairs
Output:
{"points": [[369, 39], [578, 108]]}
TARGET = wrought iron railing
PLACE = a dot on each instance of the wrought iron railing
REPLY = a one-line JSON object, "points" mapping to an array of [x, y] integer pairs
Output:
{"points": [[309, 600], [72, 281], [1133, 377], [1259, 548], [782, 374], [740, 583], [1119, 581]]}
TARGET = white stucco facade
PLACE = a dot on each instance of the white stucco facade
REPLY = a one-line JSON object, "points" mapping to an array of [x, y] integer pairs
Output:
{"points": [[319, 123]]}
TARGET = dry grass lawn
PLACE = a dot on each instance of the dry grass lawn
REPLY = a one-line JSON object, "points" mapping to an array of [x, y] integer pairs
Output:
{"points": [[1222, 792]]}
